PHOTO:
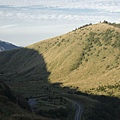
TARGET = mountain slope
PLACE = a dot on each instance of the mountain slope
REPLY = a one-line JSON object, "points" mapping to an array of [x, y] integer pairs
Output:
{"points": [[6, 46], [10, 108], [55, 70], [88, 54]]}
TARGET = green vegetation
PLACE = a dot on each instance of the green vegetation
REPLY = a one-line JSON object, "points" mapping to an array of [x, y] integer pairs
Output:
{"points": [[113, 24]]}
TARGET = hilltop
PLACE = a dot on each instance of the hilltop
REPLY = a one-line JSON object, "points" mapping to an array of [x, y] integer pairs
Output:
{"points": [[82, 65]]}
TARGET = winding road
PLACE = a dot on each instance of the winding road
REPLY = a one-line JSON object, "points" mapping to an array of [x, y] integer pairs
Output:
{"points": [[32, 102], [79, 110]]}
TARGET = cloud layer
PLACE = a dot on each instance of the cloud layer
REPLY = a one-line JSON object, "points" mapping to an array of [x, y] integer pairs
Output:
{"points": [[57, 9], [39, 14], [109, 5]]}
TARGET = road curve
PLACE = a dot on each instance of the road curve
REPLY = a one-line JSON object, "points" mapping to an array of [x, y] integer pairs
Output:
{"points": [[32, 102], [79, 110]]}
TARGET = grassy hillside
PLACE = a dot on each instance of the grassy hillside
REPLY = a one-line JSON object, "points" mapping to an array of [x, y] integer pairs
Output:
{"points": [[89, 54], [82, 65]]}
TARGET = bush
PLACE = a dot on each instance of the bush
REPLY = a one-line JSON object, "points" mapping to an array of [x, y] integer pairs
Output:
{"points": [[107, 66]]}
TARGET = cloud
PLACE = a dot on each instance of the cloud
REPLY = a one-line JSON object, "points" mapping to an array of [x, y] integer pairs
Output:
{"points": [[7, 26], [108, 5], [59, 10], [39, 19]]}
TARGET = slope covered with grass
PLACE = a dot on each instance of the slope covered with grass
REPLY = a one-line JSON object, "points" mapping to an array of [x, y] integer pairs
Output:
{"points": [[87, 55], [85, 61]]}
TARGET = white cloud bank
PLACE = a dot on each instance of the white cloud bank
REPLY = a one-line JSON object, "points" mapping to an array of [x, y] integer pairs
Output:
{"points": [[7, 26], [23, 18], [109, 5]]}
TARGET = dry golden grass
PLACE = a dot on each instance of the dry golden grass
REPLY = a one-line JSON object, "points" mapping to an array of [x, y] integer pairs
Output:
{"points": [[61, 54]]}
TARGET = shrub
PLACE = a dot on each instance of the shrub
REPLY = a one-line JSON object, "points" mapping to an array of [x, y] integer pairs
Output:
{"points": [[107, 66]]}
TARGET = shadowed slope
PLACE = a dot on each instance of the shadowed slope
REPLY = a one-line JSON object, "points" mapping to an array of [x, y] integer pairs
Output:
{"points": [[13, 107], [25, 72], [23, 67]]}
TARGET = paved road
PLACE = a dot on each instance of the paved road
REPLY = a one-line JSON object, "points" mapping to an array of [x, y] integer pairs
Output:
{"points": [[79, 110], [32, 102]]}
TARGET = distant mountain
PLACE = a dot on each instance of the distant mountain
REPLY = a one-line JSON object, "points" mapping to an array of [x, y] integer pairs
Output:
{"points": [[6, 46]]}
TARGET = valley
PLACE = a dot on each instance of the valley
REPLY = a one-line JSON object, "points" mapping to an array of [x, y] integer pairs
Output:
{"points": [[81, 66]]}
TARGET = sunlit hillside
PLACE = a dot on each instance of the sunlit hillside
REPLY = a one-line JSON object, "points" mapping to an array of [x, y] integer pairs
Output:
{"points": [[88, 57]]}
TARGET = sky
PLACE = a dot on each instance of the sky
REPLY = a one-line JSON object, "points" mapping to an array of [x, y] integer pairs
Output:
{"points": [[24, 22]]}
